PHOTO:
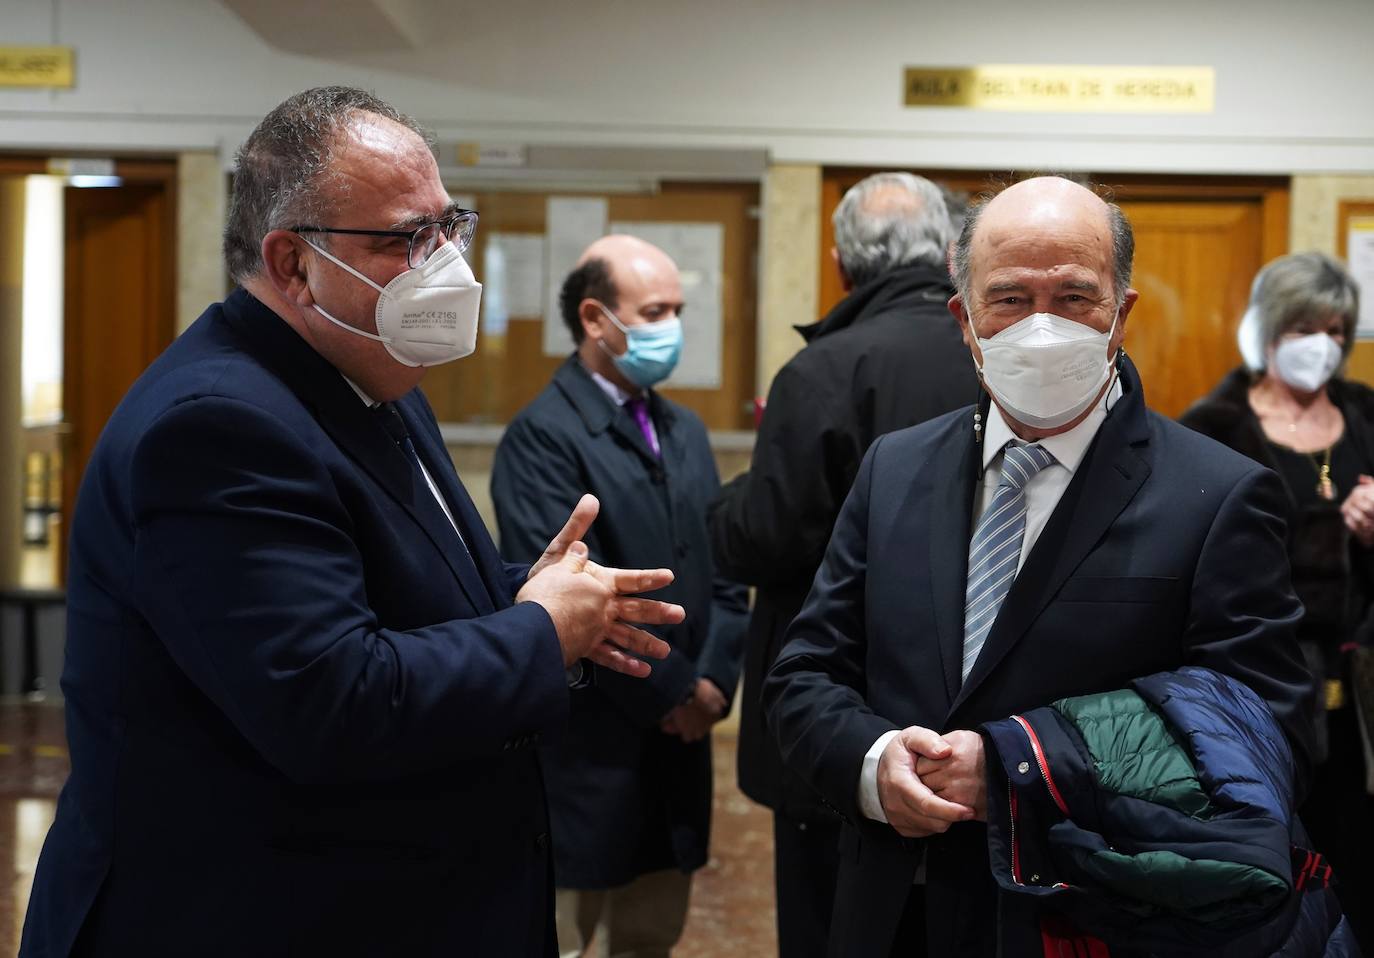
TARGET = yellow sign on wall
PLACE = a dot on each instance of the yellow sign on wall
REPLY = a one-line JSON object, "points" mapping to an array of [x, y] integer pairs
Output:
{"points": [[37, 67], [1063, 89]]}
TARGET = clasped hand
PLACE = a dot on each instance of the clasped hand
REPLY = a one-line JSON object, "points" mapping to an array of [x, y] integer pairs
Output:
{"points": [[592, 606], [692, 720], [927, 782]]}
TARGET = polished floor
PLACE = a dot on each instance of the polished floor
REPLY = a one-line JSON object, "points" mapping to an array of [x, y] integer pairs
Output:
{"points": [[732, 897], [33, 766]]}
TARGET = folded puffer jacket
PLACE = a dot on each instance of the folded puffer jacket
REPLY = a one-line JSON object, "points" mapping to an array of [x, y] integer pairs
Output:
{"points": [[1158, 820]]}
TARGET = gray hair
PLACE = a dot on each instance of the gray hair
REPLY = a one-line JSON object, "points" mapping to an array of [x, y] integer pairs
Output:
{"points": [[1123, 245], [888, 220], [282, 168], [1289, 290]]}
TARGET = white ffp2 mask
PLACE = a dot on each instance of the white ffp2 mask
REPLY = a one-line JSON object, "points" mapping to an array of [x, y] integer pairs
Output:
{"points": [[1045, 370], [426, 315], [1307, 362]]}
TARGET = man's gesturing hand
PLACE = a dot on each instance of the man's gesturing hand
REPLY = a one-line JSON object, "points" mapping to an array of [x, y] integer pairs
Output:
{"points": [[583, 515], [591, 607], [911, 807]]}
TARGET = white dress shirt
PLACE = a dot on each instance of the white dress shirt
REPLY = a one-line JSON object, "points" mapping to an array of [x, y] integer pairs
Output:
{"points": [[1042, 493]]}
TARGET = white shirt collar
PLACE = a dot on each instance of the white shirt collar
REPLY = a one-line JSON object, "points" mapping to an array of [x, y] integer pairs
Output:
{"points": [[368, 401], [1068, 448], [613, 392]]}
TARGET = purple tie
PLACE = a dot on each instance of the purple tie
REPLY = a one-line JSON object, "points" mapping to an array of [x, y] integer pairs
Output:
{"points": [[640, 411]]}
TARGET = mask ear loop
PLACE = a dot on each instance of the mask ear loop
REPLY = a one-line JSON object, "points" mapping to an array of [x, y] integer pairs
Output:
{"points": [[601, 343], [348, 269], [343, 266], [1118, 363], [979, 433]]}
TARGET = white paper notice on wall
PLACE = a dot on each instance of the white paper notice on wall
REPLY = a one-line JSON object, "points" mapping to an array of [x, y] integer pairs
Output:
{"points": [[570, 224], [698, 250], [512, 279], [1359, 245]]}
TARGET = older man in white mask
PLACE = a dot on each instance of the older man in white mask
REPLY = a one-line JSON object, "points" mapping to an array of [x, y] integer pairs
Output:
{"points": [[1056, 539]]}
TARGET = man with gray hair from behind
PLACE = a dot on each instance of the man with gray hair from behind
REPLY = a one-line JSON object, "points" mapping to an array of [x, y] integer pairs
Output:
{"points": [[886, 357]]}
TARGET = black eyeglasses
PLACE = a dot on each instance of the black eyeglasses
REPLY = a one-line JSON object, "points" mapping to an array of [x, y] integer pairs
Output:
{"points": [[458, 229]]}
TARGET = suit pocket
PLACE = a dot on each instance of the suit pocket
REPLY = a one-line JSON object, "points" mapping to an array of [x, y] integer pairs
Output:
{"points": [[1137, 588]]}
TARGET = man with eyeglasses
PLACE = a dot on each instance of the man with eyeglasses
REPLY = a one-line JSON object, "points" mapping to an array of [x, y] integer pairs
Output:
{"points": [[302, 687]]}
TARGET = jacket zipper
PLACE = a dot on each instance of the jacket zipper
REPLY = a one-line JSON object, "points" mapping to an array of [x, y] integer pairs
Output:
{"points": [[1039, 753]]}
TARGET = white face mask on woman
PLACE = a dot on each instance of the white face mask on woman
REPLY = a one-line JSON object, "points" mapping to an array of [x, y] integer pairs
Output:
{"points": [[1307, 362], [1045, 370], [426, 315]]}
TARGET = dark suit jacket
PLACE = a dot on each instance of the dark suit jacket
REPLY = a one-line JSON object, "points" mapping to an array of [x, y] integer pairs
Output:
{"points": [[888, 356], [625, 798], [299, 711], [1166, 549]]}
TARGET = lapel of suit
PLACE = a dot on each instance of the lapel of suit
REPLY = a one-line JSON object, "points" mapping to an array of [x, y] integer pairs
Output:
{"points": [[352, 426], [599, 412], [956, 474], [478, 566], [1116, 465]]}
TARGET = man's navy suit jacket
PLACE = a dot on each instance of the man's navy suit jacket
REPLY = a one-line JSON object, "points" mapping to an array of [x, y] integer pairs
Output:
{"points": [[300, 708], [1167, 549]]}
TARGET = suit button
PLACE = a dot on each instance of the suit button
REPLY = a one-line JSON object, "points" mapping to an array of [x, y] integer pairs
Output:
{"points": [[541, 842]]}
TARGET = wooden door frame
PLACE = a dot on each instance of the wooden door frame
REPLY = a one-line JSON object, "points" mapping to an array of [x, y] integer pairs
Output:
{"points": [[1272, 192], [158, 332]]}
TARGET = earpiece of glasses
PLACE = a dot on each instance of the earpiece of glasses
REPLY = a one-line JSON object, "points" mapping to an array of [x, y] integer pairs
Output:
{"points": [[458, 229]]}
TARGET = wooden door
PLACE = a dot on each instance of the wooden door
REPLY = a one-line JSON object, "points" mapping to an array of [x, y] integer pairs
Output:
{"points": [[1193, 267], [1199, 243], [119, 307]]}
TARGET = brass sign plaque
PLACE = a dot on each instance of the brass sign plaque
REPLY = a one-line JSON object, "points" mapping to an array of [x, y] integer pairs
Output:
{"points": [[1063, 89], [37, 67]]}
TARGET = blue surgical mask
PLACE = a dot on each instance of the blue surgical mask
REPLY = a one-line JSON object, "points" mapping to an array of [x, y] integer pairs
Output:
{"points": [[651, 350]]}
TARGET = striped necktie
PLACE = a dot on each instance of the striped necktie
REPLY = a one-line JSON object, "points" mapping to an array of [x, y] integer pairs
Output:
{"points": [[994, 553]]}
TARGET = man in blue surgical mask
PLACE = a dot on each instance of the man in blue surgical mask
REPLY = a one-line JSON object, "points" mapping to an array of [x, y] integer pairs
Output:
{"points": [[1055, 539], [630, 786]]}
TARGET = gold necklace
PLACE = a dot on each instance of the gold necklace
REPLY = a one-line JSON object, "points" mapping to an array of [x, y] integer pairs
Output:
{"points": [[1325, 487]]}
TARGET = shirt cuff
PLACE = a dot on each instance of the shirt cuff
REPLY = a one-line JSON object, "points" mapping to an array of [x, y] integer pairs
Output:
{"points": [[869, 802]]}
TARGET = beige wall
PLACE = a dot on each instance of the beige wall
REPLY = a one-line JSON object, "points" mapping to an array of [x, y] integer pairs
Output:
{"points": [[789, 286], [201, 187], [1315, 203]]}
